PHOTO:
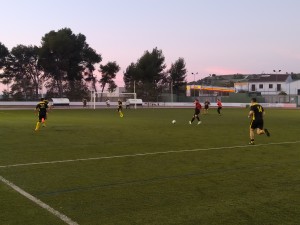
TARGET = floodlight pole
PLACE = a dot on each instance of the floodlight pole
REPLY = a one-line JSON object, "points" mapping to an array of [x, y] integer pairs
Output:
{"points": [[194, 82], [134, 94], [172, 92]]}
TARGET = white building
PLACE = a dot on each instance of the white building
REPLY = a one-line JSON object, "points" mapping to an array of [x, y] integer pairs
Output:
{"points": [[270, 85], [294, 88]]}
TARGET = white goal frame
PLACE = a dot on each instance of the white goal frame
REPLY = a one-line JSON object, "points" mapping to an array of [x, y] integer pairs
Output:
{"points": [[110, 94]]}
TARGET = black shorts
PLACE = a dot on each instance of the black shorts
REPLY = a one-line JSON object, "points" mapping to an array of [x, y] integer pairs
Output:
{"points": [[42, 116], [197, 111], [206, 107], [254, 124], [120, 108]]}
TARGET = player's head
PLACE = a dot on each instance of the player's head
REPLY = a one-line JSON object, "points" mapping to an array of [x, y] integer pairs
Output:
{"points": [[196, 100], [253, 100], [42, 99]]}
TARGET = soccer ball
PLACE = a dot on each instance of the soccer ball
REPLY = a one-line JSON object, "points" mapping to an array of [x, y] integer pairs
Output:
{"points": [[173, 121]]}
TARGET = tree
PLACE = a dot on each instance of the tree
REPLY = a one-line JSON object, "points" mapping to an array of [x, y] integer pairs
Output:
{"points": [[90, 58], [112, 86], [130, 77], [65, 56], [147, 74], [3, 55], [77, 90], [178, 76], [109, 72], [22, 68]]}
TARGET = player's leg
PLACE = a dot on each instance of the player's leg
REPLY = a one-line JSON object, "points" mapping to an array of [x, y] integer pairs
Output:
{"points": [[120, 112], [37, 127], [199, 121], [267, 132], [252, 128], [44, 121], [260, 131], [251, 136], [193, 118], [198, 118]]}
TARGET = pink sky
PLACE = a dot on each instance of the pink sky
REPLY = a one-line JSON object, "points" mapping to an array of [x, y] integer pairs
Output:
{"points": [[214, 37]]}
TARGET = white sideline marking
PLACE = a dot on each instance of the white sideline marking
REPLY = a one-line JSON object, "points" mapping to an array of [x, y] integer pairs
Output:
{"points": [[61, 216], [147, 153]]}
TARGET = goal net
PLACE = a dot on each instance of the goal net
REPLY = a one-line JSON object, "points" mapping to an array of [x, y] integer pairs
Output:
{"points": [[108, 99]]}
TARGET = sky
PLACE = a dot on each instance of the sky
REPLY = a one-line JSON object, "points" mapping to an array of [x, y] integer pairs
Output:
{"points": [[213, 36]]}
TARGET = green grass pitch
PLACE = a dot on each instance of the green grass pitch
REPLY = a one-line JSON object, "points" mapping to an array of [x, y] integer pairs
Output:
{"points": [[135, 170]]}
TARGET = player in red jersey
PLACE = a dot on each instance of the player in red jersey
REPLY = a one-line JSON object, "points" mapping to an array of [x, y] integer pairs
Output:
{"points": [[197, 112], [219, 104]]}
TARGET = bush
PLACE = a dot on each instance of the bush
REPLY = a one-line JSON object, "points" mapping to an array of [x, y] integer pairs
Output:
{"points": [[282, 93]]}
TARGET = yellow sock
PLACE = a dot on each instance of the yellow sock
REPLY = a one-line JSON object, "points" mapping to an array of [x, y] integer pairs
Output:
{"points": [[121, 114], [37, 125]]}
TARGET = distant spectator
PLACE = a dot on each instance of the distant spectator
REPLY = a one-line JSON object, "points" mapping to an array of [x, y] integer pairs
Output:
{"points": [[84, 102], [107, 103], [127, 104]]}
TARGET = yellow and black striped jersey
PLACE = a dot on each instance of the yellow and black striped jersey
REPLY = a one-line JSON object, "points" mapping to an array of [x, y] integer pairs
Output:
{"points": [[258, 111]]}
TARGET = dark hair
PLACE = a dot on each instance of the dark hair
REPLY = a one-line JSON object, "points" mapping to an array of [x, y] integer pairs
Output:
{"points": [[42, 99], [253, 99]]}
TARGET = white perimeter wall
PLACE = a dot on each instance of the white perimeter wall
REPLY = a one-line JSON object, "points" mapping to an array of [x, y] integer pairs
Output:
{"points": [[154, 104]]}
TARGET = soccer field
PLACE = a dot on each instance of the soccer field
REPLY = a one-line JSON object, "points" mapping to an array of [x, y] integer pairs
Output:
{"points": [[93, 167]]}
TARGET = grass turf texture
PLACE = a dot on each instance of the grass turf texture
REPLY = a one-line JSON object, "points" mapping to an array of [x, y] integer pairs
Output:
{"points": [[248, 185]]}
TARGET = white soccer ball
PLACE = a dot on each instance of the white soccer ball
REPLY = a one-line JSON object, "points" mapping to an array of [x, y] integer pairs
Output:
{"points": [[173, 121]]}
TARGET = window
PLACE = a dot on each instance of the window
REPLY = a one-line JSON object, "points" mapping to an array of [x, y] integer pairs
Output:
{"points": [[253, 87], [278, 87], [261, 86], [270, 86]]}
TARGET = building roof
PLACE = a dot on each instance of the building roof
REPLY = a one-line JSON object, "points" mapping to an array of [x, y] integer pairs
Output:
{"points": [[270, 78]]}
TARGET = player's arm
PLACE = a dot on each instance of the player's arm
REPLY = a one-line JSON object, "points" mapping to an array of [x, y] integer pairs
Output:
{"points": [[250, 114], [36, 111]]}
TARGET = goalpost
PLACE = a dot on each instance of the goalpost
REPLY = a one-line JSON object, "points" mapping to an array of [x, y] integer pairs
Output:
{"points": [[102, 99]]}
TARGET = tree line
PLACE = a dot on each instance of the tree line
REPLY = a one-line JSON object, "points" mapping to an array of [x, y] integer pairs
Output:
{"points": [[66, 66]]}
